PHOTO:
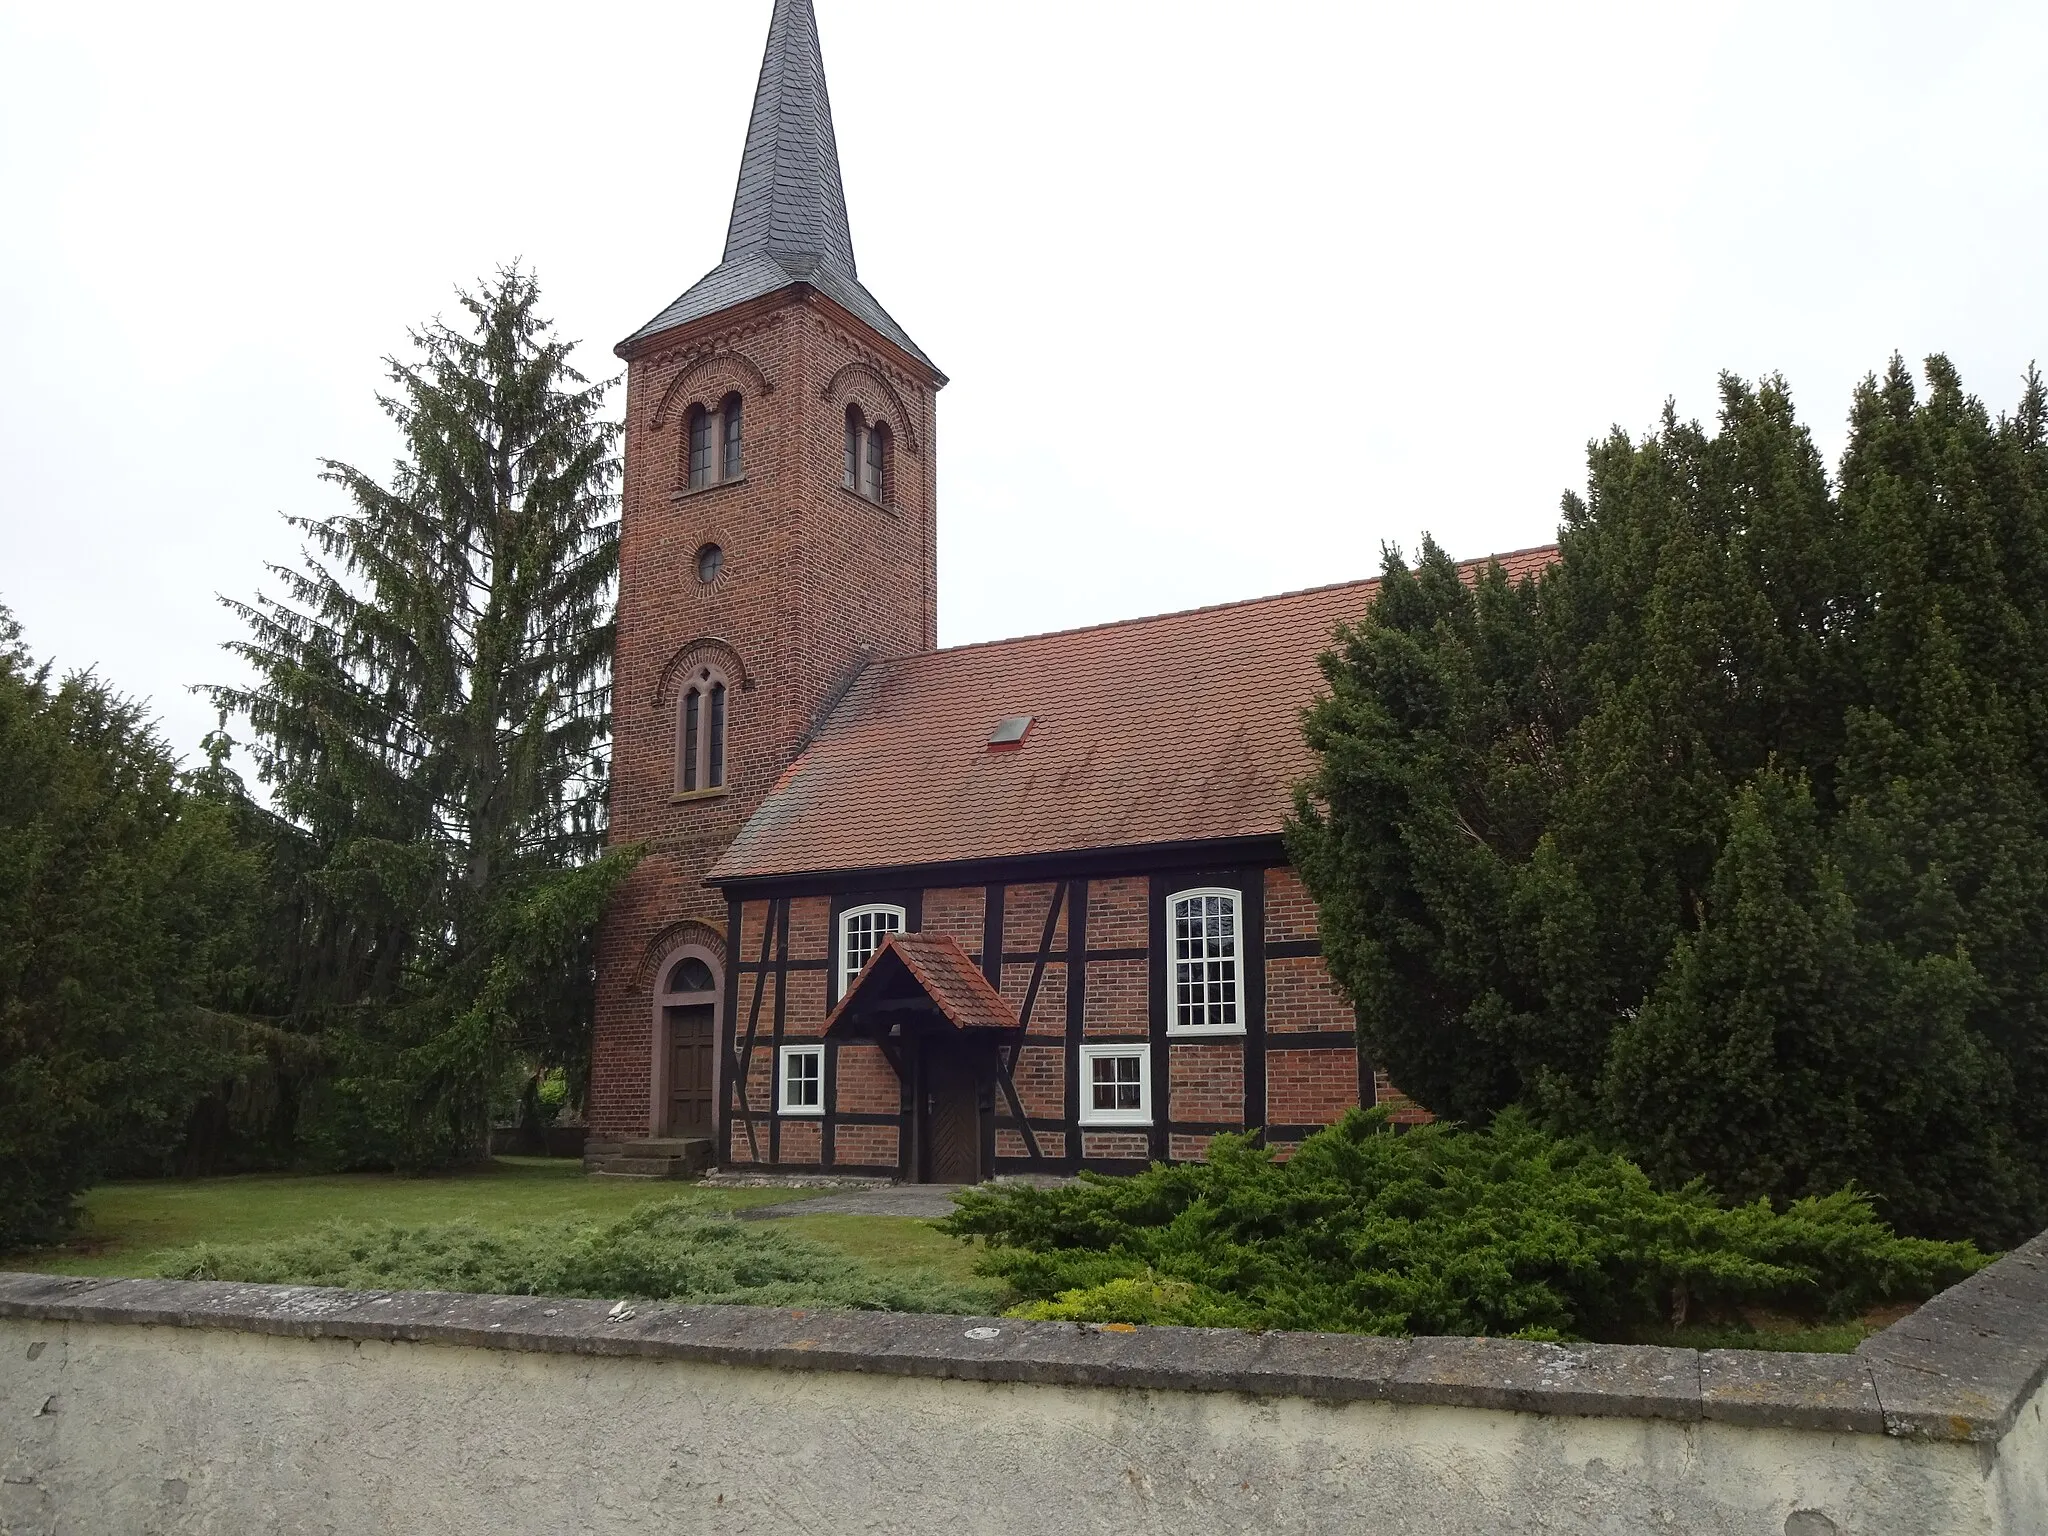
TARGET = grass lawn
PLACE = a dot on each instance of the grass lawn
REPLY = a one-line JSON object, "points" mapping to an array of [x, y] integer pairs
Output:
{"points": [[889, 1242], [128, 1226]]}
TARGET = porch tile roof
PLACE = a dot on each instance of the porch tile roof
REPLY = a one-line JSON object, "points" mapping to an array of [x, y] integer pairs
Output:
{"points": [[945, 973], [1176, 729]]}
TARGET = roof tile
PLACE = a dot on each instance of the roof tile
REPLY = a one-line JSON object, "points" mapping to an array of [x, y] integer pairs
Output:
{"points": [[1180, 728], [946, 974]]}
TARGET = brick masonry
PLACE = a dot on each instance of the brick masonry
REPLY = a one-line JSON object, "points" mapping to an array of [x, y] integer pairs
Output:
{"points": [[815, 584], [814, 579], [1298, 1069]]}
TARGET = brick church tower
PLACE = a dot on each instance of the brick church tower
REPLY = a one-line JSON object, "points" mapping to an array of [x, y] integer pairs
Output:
{"points": [[779, 536]]}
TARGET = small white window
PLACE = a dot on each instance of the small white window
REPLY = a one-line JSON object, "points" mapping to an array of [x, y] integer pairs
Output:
{"points": [[861, 933], [1202, 940], [802, 1080], [1116, 1085]]}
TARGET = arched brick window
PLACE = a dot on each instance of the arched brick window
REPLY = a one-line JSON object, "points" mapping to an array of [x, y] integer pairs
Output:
{"points": [[732, 455], [869, 452], [701, 732], [714, 443]]}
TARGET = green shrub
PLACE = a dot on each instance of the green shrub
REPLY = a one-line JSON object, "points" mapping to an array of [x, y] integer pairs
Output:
{"points": [[1507, 1231], [669, 1251]]}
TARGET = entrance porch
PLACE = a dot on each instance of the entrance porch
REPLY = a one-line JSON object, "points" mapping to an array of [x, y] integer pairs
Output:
{"points": [[951, 1039]]}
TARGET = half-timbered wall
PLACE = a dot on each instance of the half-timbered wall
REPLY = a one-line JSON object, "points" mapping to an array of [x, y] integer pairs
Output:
{"points": [[1084, 961]]}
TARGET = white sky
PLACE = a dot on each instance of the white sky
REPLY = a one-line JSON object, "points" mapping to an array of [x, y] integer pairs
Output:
{"points": [[1230, 293]]}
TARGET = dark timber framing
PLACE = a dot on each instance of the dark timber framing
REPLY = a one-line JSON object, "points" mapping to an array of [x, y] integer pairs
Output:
{"points": [[1240, 865]]}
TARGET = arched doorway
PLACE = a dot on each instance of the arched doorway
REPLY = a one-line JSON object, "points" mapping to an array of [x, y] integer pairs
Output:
{"points": [[686, 1036]]}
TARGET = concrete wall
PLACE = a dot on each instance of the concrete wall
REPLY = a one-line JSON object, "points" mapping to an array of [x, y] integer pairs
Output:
{"points": [[162, 1408]]}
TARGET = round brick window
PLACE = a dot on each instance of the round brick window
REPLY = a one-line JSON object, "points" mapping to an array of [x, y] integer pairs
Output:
{"points": [[710, 561]]}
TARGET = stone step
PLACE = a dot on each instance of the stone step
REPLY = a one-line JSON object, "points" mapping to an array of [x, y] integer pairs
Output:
{"points": [[647, 1167], [662, 1157], [693, 1146]]}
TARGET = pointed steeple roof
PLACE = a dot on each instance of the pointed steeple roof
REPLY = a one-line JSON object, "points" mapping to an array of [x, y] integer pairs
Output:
{"points": [[791, 203], [789, 214]]}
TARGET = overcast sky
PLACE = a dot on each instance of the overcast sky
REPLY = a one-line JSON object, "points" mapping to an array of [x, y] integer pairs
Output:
{"points": [[1230, 294]]}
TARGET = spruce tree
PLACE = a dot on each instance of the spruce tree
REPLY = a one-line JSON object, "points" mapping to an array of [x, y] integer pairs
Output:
{"points": [[431, 715], [1724, 839]]}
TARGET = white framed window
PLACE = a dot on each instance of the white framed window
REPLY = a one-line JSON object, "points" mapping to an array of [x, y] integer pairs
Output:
{"points": [[1204, 956], [1116, 1085], [862, 931], [800, 1085]]}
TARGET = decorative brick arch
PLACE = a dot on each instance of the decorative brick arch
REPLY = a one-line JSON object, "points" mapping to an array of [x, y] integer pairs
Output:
{"points": [[672, 943], [878, 399], [679, 941], [707, 381], [703, 650]]}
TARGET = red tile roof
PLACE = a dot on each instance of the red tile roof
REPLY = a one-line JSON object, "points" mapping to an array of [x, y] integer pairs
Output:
{"points": [[1180, 728], [942, 970]]}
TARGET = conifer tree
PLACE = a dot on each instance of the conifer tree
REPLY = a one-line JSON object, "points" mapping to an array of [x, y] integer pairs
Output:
{"points": [[431, 714], [127, 905], [1727, 838]]}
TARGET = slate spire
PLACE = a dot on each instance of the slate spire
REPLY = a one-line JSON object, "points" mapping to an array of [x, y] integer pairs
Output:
{"points": [[789, 214], [791, 202]]}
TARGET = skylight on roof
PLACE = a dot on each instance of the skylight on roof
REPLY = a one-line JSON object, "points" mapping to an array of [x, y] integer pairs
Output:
{"points": [[1011, 731]]}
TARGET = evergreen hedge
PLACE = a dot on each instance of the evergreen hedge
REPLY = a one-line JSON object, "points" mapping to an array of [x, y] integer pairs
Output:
{"points": [[1726, 840], [1506, 1231]]}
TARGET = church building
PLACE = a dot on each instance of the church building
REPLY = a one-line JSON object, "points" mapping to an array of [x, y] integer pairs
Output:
{"points": [[936, 915]]}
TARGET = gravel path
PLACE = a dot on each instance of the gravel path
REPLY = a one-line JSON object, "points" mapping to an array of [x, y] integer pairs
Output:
{"points": [[925, 1201]]}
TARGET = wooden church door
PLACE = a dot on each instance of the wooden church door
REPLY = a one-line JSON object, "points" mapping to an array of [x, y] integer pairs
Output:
{"points": [[690, 1070], [952, 1118]]}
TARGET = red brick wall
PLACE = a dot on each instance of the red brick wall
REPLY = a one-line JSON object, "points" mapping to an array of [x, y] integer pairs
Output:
{"points": [[1406, 1110], [1024, 910], [1106, 1146], [1206, 1082], [810, 929], [803, 1142], [1119, 914], [1116, 1004], [1041, 1078], [1300, 996], [867, 1083], [1049, 1006], [866, 1146], [1290, 914], [1009, 1143], [958, 912], [1310, 1087], [813, 576]]}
